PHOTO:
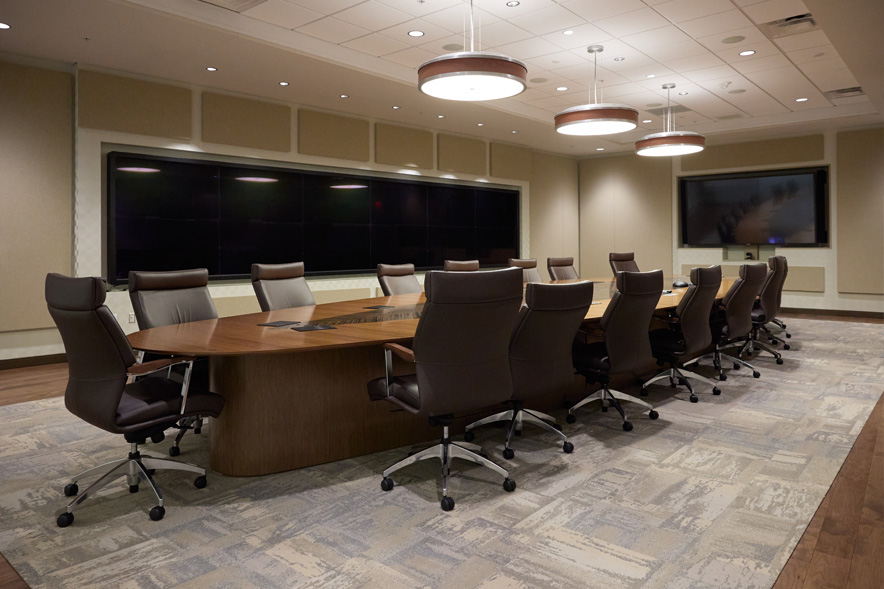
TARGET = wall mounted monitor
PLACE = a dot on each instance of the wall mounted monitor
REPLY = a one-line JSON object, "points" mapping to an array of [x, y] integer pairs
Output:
{"points": [[772, 207], [169, 214]]}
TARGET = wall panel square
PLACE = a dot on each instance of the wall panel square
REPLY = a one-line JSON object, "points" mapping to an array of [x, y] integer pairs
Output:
{"points": [[403, 146], [244, 122], [461, 154], [329, 135]]}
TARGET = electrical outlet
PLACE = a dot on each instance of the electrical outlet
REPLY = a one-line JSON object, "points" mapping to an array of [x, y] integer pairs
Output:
{"points": [[131, 317]]}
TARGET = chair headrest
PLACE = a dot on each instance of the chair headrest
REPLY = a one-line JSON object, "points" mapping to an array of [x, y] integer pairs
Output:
{"points": [[621, 257], [277, 271], [777, 263], [461, 265], [168, 280], [473, 287], [706, 276], [640, 282], [395, 269], [753, 272], [524, 263], [558, 297], [560, 261], [75, 294]]}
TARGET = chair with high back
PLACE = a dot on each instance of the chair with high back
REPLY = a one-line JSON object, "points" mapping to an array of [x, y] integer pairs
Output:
{"points": [[772, 337], [626, 348], [731, 323], [767, 307], [530, 273], [540, 355], [561, 269], [281, 286], [170, 298], [100, 362], [398, 279], [624, 262], [689, 334], [460, 357], [461, 265]]}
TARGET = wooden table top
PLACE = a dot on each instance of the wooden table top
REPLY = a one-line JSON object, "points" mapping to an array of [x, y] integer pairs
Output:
{"points": [[355, 324]]}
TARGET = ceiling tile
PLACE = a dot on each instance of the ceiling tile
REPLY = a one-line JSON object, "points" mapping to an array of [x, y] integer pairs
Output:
{"points": [[281, 13], [412, 57], [641, 74], [762, 12], [333, 30], [594, 10], [582, 37], [631, 23], [802, 41], [786, 84], [822, 65], [650, 40], [833, 79], [415, 8], [456, 19], [715, 23], [716, 42], [453, 42], [744, 95], [547, 20], [850, 100], [813, 54], [373, 15], [762, 63], [376, 44], [533, 47], [668, 53], [697, 62], [583, 74], [656, 84], [762, 48], [681, 10], [325, 6], [555, 61], [501, 10], [614, 50], [710, 73], [501, 33], [622, 90], [431, 32]]}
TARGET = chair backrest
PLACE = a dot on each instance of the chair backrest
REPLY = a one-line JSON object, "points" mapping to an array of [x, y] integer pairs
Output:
{"points": [[98, 352], [169, 298], [561, 268], [398, 279], [624, 262], [772, 289], [540, 351], [461, 265], [627, 319], [530, 273], [695, 307], [461, 345], [740, 299], [281, 286]]}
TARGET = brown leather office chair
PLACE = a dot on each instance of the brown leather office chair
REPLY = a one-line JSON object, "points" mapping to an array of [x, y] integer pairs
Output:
{"points": [[461, 265], [626, 348], [540, 355], [776, 321], [170, 298], [461, 362], [561, 269], [281, 286], [624, 262], [766, 309], [530, 273], [100, 361], [398, 279], [689, 334], [731, 323]]}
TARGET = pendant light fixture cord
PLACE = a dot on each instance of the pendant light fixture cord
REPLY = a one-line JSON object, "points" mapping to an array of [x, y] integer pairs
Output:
{"points": [[594, 97], [472, 29]]}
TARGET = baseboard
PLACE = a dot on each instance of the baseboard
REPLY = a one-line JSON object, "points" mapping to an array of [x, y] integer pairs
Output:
{"points": [[834, 313], [32, 361]]}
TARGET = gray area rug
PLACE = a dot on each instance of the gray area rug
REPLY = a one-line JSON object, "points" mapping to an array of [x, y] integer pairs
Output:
{"points": [[714, 494]]}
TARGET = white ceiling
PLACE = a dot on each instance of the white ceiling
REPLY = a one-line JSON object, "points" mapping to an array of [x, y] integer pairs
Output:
{"points": [[361, 48]]}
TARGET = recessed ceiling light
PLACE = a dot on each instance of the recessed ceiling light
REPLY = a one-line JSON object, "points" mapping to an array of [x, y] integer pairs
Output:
{"points": [[619, 59], [396, 107], [515, 131], [747, 53], [800, 100], [647, 121], [345, 96], [649, 76], [480, 124], [211, 69], [512, 4], [3, 25], [283, 83], [600, 149], [415, 33], [562, 88], [568, 32], [440, 116], [682, 93]]}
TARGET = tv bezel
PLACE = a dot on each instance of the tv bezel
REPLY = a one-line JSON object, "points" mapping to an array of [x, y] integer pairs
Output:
{"points": [[821, 204]]}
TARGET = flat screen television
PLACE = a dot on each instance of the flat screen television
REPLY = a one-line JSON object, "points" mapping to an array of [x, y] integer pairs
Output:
{"points": [[773, 207], [169, 214]]}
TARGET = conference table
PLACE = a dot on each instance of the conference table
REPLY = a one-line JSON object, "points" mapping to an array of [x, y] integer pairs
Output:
{"points": [[299, 398]]}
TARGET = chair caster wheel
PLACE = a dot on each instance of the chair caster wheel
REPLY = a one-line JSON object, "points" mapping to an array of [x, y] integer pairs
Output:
{"points": [[174, 451], [65, 519], [447, 503], [518, 432], [627, 427], [509, 485], [568, 447], [788, 335], [716, 391], [653, 414], [70, 490], [557, 426], [787, 347], [779, 360], [387, 485], [200, 482], [508, 453], [197, 430], [643, 392], [571, 418], [722, 377], [469, 436], [604, 409], [133, 488], [737, 366], [756, 374], [157, 513], [671, 385], [694, 398]]}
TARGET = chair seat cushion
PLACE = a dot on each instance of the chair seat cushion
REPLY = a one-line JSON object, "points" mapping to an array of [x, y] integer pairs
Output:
{"points": [[152, 398], [592, 356], [667, 341], [404, 391], [758, 316]]}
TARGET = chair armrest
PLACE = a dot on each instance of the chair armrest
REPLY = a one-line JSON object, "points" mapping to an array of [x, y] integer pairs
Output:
{"points": [[401, 351], [143, 368]]}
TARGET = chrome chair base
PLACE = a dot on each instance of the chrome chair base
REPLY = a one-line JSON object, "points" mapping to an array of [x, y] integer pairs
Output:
{"points": [[717, 356], [610, 398], [678, 376], [516, 418]]}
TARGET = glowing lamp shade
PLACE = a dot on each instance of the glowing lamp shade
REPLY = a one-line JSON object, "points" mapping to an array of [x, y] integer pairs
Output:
{"points": [[472, 76], [596, 119], [670, 144]]}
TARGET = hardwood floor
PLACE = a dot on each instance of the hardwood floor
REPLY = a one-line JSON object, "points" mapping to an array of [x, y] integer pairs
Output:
{"points": [[843, 547]]}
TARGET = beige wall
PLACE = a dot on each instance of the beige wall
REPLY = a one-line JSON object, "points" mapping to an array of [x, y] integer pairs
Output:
{"points": [[35, 164], [553, 210], [625, 206]]}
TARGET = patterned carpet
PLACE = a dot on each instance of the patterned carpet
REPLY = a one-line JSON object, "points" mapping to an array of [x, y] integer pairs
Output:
{"points": [[714, 494]]}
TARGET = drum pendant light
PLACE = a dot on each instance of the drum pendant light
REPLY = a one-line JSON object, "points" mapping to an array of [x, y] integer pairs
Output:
{"points": [[669, 142], [596, 118], [472, 75]]}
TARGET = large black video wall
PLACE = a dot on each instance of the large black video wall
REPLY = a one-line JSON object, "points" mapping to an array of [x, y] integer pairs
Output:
{"points": [[171, 214]]}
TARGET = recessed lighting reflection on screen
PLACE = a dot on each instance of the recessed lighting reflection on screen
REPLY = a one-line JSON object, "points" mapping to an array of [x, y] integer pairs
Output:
{"points": [[348, 186], [137, 169], [256, 179]]}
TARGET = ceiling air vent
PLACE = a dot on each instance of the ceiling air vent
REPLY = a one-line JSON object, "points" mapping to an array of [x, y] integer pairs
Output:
{"points": [[844, 93], [235, 5], [794, 25], [676, 109], [730, 117]]}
